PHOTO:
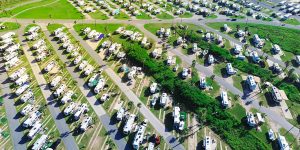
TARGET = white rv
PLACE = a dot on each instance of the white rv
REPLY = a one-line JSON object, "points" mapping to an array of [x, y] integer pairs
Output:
{"points": [[82, 64], [129, 124], [33, 118], [88, 70], [139, 136], [77, 59], [27, 96], [34, 130], [120, 114], [38, 144], [60, 90], [49, 66], [224, 98], [27, 109], [164, 98], [70, 109], [55, 81], [67, 97], [99, 86], [23, 79], [153, 88], [22, 89], [17, 74], [85, 123], [83, 108]]}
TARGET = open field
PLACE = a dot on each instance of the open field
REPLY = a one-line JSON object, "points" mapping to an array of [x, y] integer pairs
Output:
{"points": [[10, 26], [10, 3], [47, 9]]}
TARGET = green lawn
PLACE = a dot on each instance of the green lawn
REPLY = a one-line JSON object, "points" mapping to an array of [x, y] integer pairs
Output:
{"points": [[286, 38], [143, 15], [60, 9], [237, 17], [212, 16], [164, 15], [292, 141], [238, 111], [11, 3], [98, 15], [10, 26], [122, 16], [292, 21], [186, 15]]}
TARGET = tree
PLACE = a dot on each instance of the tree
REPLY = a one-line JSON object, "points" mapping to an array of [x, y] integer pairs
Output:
{"points": [[238, 27], [287, 64], [193, 63], [130, 104], [261, 103]]}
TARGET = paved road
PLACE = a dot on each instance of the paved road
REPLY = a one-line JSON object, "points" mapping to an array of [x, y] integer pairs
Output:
{"points": [[11, 112], [103, 117], [56, 114], [160, 127]]}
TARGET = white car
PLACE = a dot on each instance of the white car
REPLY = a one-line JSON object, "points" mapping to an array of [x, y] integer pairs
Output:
{"points": [[120, 114], [82, 65]]}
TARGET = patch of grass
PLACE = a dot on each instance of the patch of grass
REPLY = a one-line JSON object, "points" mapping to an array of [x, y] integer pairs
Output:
{"points": [[143, 15], [237, 17], [287, 56], [218, 68], [292, 141], [61, 9], [216, 87], [238, 111], [98, 15], [212, 16], [286, 38], [186, 15], [237, 81], [292, 21], [10, 26], [267, 19], [122, 16], [53, 27], [11, 3], [164, 15]]}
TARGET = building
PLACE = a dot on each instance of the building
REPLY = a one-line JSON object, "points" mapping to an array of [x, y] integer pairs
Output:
{"points": [[250, 119], [38, 144], [230, 69], [251, 82], [129, 124], [283, 145], [139, 136], [224, 98], [276, 95]]}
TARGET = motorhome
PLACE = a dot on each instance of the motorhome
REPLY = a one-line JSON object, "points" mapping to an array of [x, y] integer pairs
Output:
{"points": [[153, 88], [258, 42], [34, 130], [33, 30], [91, 34], [93, 80], [41, 56], [139, 135], [38, 44], [104, 97], [75, 53], [83, 108], [23, 79], [27, 109], [185, 73], [210, 59], [251, 82], [164, 98], [237, 48], [49, 66], [132, 73], [55, 81], [100, 85], [27, 96], [7, 35], [9, 56], [17, 74], [283, 144], [129, 124], [12, 62], [276, 49], [32, 36], [22, 89], [82, 65], [33, 118], [250, 119], [207, 143], [67, 97], [224, 99], [59, 91], [85, 123], [87, 30], [176, 116], [202, 83], [120, 114], [70, 109], [88, 70], [38, 144], [77, 60], [276, 95], [229, 69]]}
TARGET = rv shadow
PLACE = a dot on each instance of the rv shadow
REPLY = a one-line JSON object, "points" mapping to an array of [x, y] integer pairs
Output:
{"points": [[18, 102], [18, 116], [20, 128], [270, 100], [24, 140], [77, 131], [60, 116], [168, 122], [70, 120]]}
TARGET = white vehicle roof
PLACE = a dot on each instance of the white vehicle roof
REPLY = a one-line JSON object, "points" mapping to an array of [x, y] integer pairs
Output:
{"points": [[224, 98], [22, 79], [25, 97], [60, 90], [176, 115], [70, 108], [34, 130], [77, 59], [88, 69], [153, 87], [31, 119], [17, 73], [38, 144], [10, 56], [99, 86], [22, 88], [164, 98], [55, 81], [120, 113], [67, 97], [80, 110], [207, 143], [129, 123], [7, 35], [26, 109], [83, 64], [49, 66], [38, 44], [85, 123], [139, 136]]}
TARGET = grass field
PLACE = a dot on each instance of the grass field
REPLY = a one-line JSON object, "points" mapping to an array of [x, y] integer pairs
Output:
{"points": [[98, 15], [164, 15], [11, 3], [122, 16], [10, 26], [143, 16], [287, 39], [186, 15], [292, 21], [46, 9]]}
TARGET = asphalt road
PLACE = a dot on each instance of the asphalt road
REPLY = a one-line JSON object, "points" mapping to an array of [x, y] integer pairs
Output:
{"points": [[64, 130]]}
